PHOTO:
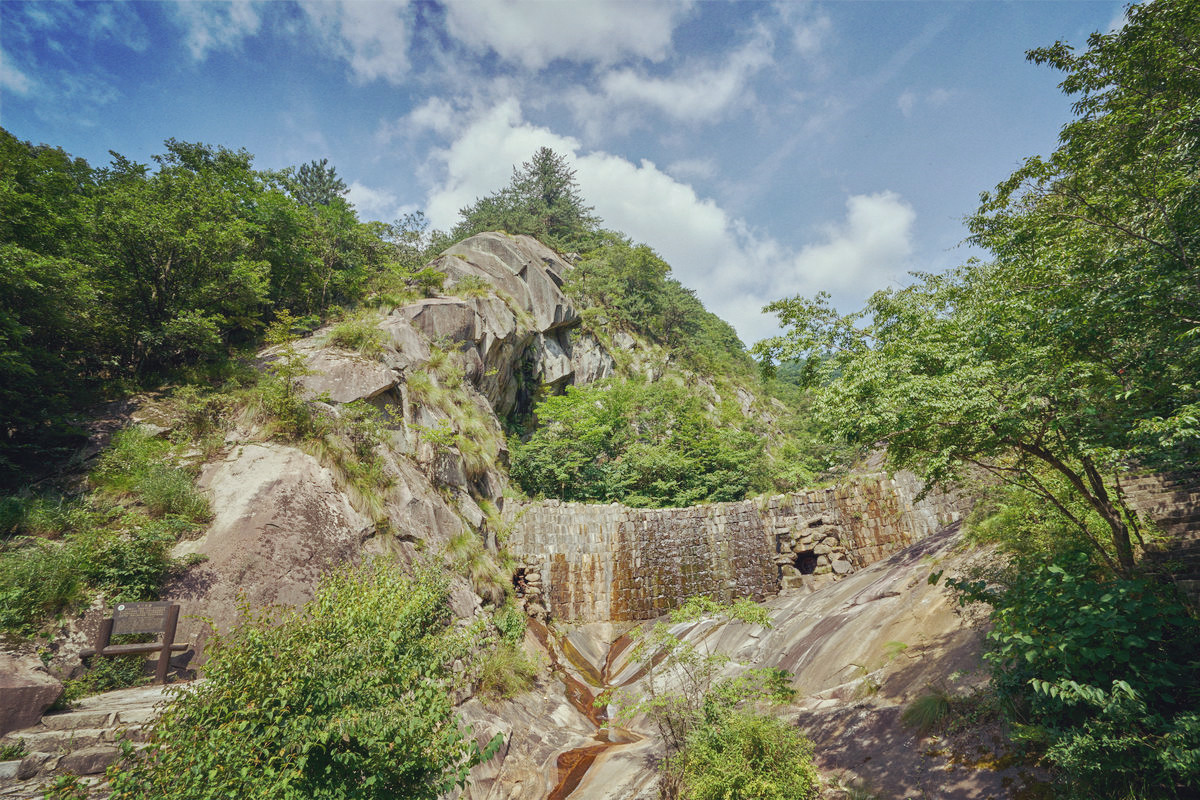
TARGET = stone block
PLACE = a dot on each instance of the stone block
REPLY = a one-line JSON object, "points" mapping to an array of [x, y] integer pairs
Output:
{"points": [[89, 760], [27, 689]]}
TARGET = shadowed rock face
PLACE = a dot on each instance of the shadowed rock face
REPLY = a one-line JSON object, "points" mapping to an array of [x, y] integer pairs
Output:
{"points": [[27, 689]]}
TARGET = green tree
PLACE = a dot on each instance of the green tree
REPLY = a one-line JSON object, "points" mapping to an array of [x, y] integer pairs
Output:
{"points": [[645, 444], [175, 256], [48, 299], [315, 184], [542, 200], [1072, 351]]}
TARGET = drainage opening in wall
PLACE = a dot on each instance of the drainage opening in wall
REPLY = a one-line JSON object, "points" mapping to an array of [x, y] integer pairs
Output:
{"points": [[806, 562], [518, 581]]}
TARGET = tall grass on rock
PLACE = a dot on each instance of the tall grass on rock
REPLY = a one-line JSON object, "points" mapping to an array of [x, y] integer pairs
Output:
{"points": [[350, 697]]}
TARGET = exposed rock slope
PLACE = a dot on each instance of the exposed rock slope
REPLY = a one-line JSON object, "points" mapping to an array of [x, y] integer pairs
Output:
{"points": [[858, 649]]}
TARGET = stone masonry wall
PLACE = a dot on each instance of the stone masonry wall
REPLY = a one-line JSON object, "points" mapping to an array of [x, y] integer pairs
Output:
{"points": [[593, 563]]}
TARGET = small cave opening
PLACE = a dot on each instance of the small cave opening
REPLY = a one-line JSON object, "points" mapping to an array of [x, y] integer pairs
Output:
{"points": [[806, 562], [518, 581]]}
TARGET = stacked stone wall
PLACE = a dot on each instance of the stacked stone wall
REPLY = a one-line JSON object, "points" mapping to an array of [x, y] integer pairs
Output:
{"points": [[592, 563]]}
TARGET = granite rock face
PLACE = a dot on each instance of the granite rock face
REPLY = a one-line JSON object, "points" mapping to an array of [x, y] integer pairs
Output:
{"points": [[28, 690], [280, 523]]}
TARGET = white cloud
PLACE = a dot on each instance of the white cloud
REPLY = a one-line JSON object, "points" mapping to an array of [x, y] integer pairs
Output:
{"points": [[435, 114], [734, 268], [535, 32], [868, 248], [692, 95], [810, 28], [909, 101], [12, 79], [216, 26], [373, 38], [686, 168], [377, 204]]}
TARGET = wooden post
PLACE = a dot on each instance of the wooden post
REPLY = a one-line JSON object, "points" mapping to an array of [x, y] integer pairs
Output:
{"points": [[164, 655], [105, 634]]}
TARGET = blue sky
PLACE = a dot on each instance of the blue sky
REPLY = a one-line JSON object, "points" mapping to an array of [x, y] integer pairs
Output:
{"points": [[764, 149]]}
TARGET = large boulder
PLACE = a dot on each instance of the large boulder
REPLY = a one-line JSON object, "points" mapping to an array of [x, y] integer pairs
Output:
{"points": [[519, 266], [281, 522], [26, 691]]}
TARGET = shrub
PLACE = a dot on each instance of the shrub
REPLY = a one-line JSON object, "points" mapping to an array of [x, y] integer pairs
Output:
{"points": [[359, 333], [751, 757], [138, 464], [349, 697], [38, 579], [505, 672], [928, 712], [643, 444], [105, 674], [1099, 674], [471, 286]]}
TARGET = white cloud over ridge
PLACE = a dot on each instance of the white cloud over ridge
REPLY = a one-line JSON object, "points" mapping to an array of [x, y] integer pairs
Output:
{"points": [[376, 203], [734, 268], [373, 38], [534, 33]]}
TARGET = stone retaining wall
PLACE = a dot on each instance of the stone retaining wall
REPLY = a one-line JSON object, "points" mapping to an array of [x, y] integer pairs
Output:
{"points": [[592, 563]]}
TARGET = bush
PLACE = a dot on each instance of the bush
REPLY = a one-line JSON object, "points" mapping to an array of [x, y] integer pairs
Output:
{"points": [[643, 444], [1098, 673], [140, 465], [928, 712], [38, 579], [349, 697], [105, 674], [748, 756], [358, 333], [505, 672]]}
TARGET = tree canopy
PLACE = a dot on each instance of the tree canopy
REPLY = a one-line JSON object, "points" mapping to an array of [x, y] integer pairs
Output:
{"points": [[542, 200], [1071, 351], [117, 273]]}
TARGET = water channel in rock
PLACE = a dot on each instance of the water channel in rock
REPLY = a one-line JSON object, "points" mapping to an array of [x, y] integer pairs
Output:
{"points": [[573, 764]]}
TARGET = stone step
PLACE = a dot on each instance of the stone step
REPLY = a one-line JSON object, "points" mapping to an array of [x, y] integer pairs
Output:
{"points": [[60, 741]]}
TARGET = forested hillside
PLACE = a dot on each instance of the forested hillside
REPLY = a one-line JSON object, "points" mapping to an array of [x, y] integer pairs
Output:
{"points": [[116, 277]]}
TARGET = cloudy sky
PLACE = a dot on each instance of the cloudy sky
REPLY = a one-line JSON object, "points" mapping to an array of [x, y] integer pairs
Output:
{"points": [[764, 149]]}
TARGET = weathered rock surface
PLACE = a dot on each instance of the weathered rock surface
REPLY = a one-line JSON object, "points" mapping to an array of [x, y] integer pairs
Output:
{"points": [[858, 649], [28, 690], [519, 266], [281, 522]]}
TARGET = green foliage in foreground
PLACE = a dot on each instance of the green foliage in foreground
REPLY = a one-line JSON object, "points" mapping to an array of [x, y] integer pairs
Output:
{"points": [[715, 744], [751, 757], [1099, 675], [645, 444], [349, 698]]}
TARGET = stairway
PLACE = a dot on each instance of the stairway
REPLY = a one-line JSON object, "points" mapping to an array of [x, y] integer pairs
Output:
{"points": [[82, 741], [1172, 503]]}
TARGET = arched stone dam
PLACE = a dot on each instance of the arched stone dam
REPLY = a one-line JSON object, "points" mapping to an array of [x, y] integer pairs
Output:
{"points": [[583, 562]]}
